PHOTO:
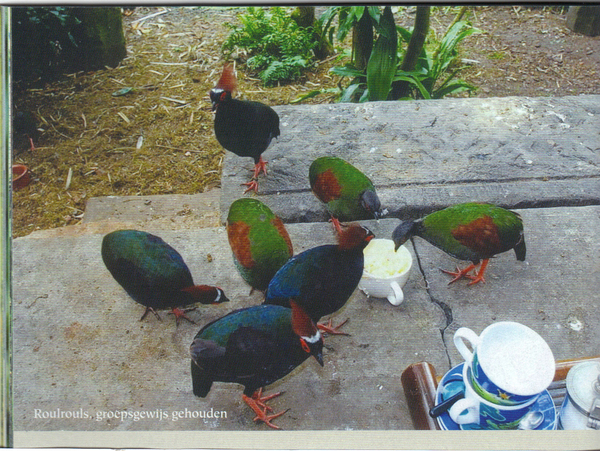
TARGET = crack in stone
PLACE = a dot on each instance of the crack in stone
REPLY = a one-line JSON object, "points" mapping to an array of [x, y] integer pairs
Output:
{"points": [[442, 305]]}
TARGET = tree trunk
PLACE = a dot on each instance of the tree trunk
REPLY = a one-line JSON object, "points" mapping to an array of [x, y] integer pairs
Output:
{"points": [[304, 16], [102, 38], [362, 41], [49, 42], [584, 19], [400, 89]]}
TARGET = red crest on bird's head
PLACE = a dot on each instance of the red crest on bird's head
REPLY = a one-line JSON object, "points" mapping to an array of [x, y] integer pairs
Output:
{"points": [[228, 81], [354, 236]]}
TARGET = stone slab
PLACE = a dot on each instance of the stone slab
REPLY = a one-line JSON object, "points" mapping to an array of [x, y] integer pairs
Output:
{"points": [[517, 151], [79, 345], [555, 291]]}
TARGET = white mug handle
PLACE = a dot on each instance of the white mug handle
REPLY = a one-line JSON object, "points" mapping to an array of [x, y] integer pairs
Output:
{"points": [[398, 296], [470, 405], [464, 333]]}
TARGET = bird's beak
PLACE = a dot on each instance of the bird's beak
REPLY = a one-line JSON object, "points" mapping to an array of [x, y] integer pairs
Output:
{"points": [[214, 106], [319, 358]]}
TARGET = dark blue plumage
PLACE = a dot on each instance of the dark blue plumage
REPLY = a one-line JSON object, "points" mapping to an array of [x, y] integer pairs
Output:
{"points": [[153, 273], [243, 127], [323, 278], [254, 346]]}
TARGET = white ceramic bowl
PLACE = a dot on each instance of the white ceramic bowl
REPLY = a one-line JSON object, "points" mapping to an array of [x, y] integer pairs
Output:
{"points": [[386, 271]]}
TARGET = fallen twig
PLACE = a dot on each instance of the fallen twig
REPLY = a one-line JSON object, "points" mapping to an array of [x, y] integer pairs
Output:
{"points": [[151, 15], [69, 178], [181, 102], [327, 59], [168, 64]]}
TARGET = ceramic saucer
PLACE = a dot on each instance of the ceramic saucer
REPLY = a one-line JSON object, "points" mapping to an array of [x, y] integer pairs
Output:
{"points": [[452, 383]]}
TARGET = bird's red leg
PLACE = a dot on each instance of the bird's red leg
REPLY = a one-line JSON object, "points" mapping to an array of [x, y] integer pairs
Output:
{"points": [[261, 400], [259, 167], [31, 142], [336, 225], [255, 402], [460, 273], [252, 185], [179, 313], [479, 276], [330, 329]]}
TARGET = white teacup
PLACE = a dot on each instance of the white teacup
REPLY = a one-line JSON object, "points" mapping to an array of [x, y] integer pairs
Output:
{"points": [[510, 363], [385, 270], [475, 410]]}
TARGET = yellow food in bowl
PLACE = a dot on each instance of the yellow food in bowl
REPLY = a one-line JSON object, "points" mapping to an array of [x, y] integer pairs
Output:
{"points": [[382, 261]]}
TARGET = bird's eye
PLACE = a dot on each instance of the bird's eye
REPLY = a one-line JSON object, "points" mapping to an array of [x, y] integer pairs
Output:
{"points": [[305, 345], [223, 95]]}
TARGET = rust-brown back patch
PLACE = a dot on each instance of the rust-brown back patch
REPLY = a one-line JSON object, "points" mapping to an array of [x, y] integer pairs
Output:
{"points": [[327, 187], [481, 235], [239, 240]]}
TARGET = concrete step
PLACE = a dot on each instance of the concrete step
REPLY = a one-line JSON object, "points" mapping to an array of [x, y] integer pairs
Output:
{"points": [[78, 340], [158, 212]]}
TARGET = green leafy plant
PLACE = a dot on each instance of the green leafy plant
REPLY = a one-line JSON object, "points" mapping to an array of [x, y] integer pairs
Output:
{"points": [[374, 82], [359, 20], [279, 49], [433, 78], [382, 62], [348, 17], [435, 74]]}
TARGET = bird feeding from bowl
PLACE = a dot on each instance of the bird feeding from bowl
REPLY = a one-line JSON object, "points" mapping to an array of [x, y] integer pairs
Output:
{"points": [[385, 270]]}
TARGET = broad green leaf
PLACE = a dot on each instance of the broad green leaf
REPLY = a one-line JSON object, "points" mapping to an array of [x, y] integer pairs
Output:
{"points": [[404, 33], [454, 88], [311, 94], [382, 63], [365, 97], [414, 81], [345, 71], [374, 13], [349, 92]]}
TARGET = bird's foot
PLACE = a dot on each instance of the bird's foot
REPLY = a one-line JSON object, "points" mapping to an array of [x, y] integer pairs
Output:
{"points": [[252, 185], [259, 167], [31, 143], [179, 314], [460, 273], [479, 277], [262, 400], [476, 279], [255, 402], [332, 330], [148, 310]]}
